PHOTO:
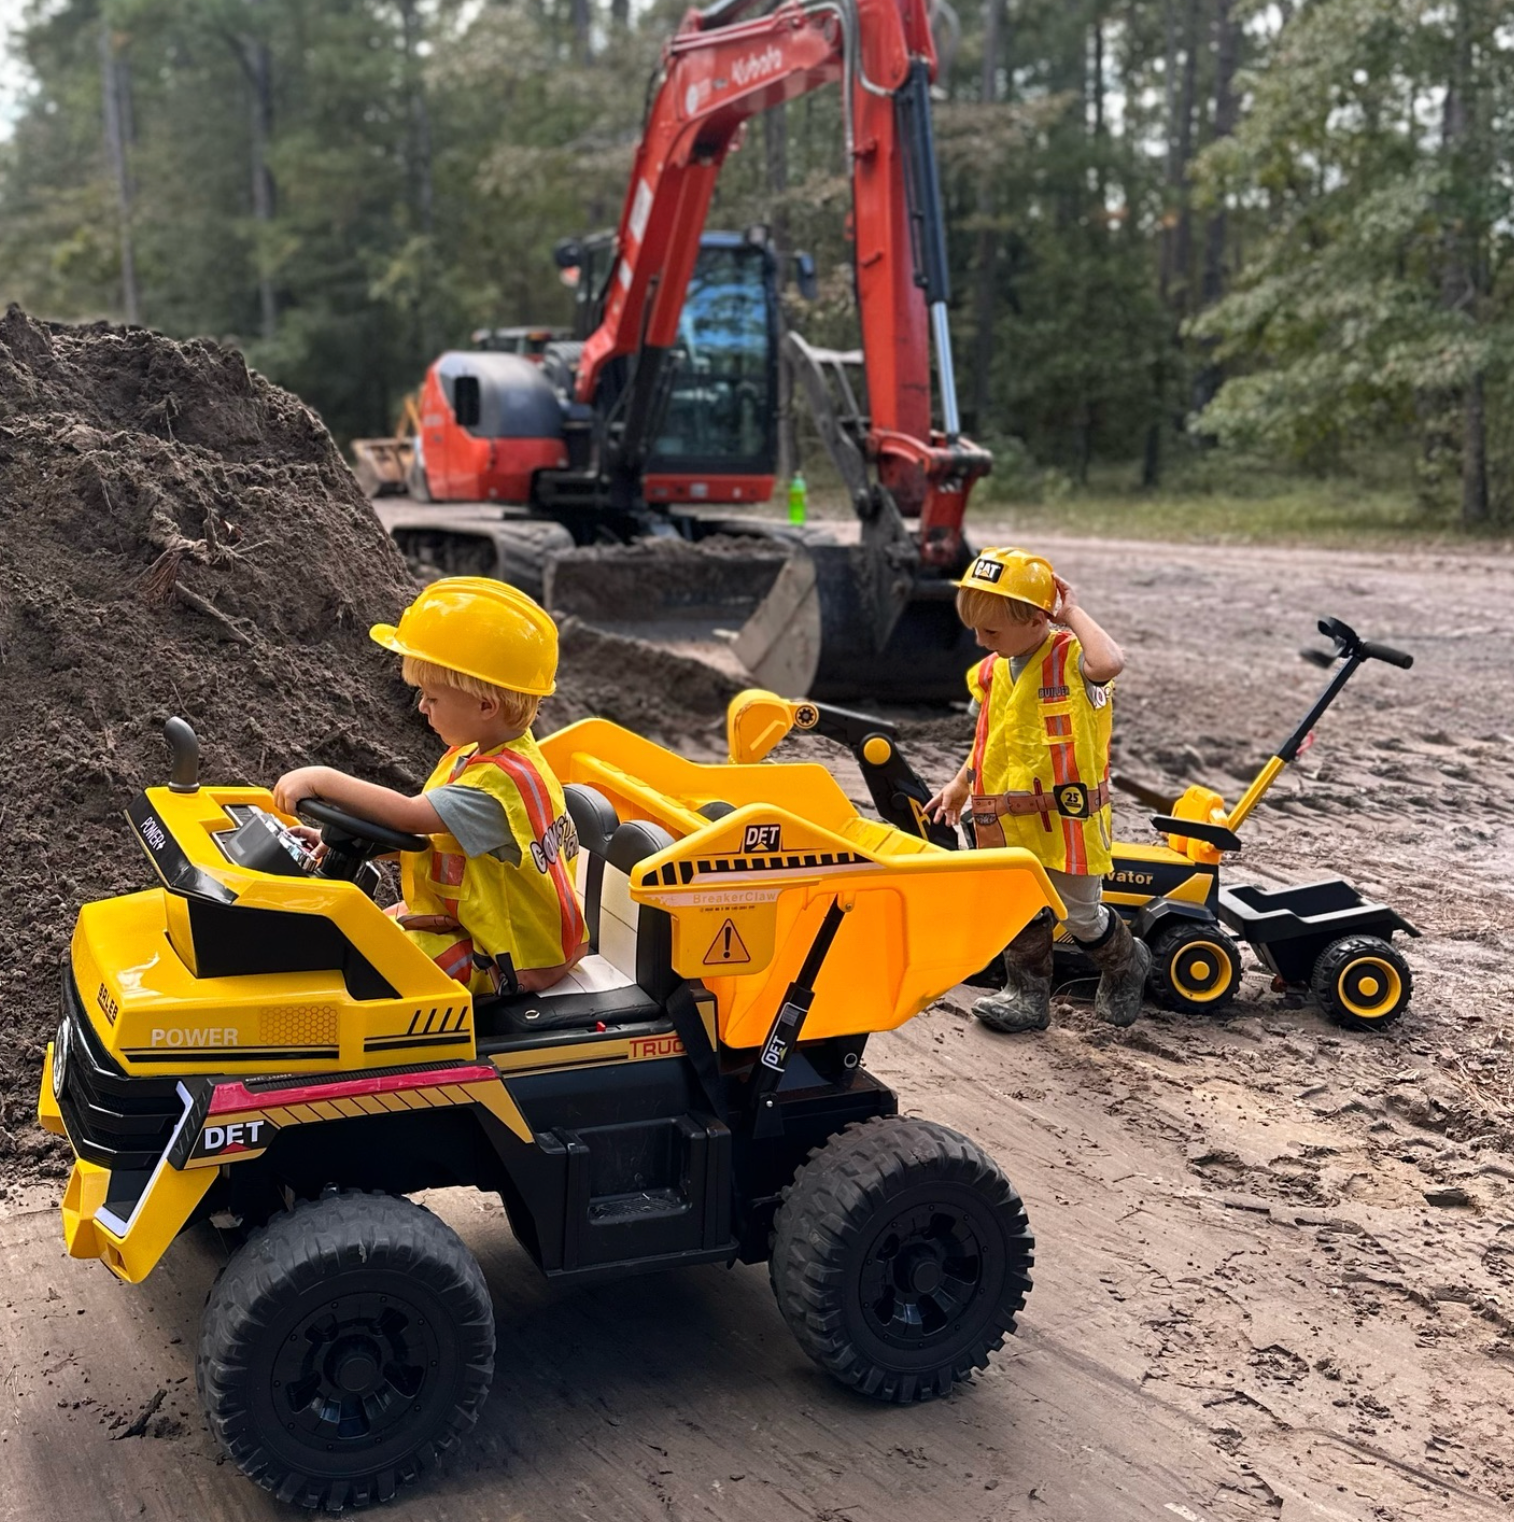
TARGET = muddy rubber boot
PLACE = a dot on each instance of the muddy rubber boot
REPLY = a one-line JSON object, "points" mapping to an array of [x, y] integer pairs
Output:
{"points": [[1123, 963], [1025, 1003]]}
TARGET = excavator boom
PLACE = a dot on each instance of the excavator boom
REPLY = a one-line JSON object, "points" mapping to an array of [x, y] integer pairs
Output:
{"points": [[722, 67]]}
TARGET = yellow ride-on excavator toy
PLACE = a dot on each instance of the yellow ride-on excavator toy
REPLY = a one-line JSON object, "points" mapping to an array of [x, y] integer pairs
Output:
{"points": [[253, 1036], [1323, 936]]}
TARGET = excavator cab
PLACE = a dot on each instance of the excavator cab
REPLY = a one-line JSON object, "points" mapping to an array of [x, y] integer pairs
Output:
{"points": [[717, 436]]}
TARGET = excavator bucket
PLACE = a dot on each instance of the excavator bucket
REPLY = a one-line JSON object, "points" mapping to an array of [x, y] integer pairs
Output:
{"points": [[382, 466], [829, 630], [866, 620]]}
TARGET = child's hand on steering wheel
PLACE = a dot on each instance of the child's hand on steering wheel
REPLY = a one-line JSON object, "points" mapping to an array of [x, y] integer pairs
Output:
{"points": [[303, 782]]}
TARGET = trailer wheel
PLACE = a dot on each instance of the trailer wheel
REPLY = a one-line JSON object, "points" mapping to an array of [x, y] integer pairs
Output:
{"points": [[1195, 967], [901, 1257], [343, 1348], [1362, 982]]}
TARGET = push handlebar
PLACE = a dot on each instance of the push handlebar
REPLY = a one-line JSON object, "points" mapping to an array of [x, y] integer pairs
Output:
{"points": [[1387, 653], [1349, 643]]}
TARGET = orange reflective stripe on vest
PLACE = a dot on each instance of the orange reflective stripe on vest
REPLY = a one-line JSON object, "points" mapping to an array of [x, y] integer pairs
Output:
{"points": [[985, 675], [1060, 741], [538, 800], [526, 908]]}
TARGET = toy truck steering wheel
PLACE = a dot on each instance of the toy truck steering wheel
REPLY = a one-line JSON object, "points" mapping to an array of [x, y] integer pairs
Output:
{"points": [[366, 830]]}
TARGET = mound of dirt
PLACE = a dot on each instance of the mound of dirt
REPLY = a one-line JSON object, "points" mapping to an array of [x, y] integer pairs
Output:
{"points": [[656, 692], [178, 536]]}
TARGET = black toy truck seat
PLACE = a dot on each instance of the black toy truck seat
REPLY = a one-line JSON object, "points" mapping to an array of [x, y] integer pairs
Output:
{"points": [[628, 972]]}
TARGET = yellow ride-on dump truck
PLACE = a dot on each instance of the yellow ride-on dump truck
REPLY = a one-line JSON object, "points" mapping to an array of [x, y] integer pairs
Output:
{"points": [[254, 1038]]}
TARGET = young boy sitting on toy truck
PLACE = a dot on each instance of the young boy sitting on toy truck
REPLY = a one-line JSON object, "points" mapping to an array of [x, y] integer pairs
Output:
{"points": [[492, 901], [1038, 777]]}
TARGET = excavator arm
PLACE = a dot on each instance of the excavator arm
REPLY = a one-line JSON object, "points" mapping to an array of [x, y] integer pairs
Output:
{"points": [[722, 67]]}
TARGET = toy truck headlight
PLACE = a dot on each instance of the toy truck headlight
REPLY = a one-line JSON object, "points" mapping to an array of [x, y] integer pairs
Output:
{"points": [[61, 1043]]}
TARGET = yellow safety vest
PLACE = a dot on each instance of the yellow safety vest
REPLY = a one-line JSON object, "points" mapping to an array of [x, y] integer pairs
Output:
{"points": [[528, 909], [1043, 734]]}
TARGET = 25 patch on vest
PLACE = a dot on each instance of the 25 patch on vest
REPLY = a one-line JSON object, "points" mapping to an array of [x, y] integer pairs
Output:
{"points": [[1072, 800]]}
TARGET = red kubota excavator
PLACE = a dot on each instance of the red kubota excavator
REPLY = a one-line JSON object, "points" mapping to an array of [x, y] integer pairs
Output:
{"points": [[571, 439]]}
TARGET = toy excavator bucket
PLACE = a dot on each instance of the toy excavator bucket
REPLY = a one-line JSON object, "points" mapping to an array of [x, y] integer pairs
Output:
{"points": [[832, 628]]}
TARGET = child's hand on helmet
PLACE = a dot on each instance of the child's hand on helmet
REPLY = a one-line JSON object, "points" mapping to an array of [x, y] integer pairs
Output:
{"points": [[950, 801], [1067, 599]]}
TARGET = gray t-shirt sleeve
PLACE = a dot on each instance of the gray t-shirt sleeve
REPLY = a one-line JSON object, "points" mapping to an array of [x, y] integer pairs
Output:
{"points": [[1098, 692], [476, 820]]}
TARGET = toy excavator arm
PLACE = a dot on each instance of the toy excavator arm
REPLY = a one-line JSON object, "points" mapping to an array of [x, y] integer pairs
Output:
{"points": [[757, 720], [719, 70]]}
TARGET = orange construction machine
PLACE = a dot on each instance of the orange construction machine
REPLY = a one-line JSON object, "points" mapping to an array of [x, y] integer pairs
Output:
{"points": [[625, 434]]}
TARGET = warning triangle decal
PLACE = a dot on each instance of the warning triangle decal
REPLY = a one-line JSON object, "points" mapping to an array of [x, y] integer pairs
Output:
{"points": [[727, 949]]}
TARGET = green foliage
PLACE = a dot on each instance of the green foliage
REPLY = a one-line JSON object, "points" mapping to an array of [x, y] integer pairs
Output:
{"points": [[1333, 278], [1379, 286]]}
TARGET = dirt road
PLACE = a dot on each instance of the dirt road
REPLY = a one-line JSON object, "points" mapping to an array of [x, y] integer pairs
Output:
{"points": [[1246, 1305]]}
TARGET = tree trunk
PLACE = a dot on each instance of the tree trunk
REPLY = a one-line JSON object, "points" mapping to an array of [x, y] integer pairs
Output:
{"points": [[583, 36], [1464, 276], [1474, 454], [775, 143], [113, 91], [1227, 54], [946, 29], [1096, 84], [984, 306], [1212, 285], [422, 184], [422, 190], [257, 61], [1165, 251], [1177, 169]]}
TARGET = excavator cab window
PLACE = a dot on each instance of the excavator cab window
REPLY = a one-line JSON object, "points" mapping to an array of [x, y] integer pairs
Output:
{"points": [[724, 394], [467, 405]]}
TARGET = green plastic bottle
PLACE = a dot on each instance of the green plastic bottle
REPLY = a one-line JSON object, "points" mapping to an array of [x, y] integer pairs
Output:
{"points": [[798, 498]]}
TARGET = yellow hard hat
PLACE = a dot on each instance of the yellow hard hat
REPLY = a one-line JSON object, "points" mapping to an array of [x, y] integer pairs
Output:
{"points": [[1016, 574], [485, 629]]}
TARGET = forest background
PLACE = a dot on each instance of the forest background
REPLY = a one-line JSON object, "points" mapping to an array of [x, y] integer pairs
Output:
{"points": [[1216, 244]]}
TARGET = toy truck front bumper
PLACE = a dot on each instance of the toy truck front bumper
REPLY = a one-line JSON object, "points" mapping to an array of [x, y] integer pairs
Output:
{"points": [[123, 1209]]}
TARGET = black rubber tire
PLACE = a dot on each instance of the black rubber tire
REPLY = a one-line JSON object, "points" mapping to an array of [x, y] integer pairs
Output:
{"points": [[1176, 951], [834, 1229], [1338, 990], [319, 1273]]}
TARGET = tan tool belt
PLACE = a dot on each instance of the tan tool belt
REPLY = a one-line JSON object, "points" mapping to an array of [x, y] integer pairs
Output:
{"points": [[1073, 800], [435, 923]]}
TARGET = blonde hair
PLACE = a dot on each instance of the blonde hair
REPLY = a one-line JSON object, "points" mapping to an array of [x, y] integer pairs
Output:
{"points": [[517, 709], [976, 607]]}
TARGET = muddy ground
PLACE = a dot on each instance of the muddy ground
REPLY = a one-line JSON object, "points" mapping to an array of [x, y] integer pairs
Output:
{"points": [[1246, 1304]]}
